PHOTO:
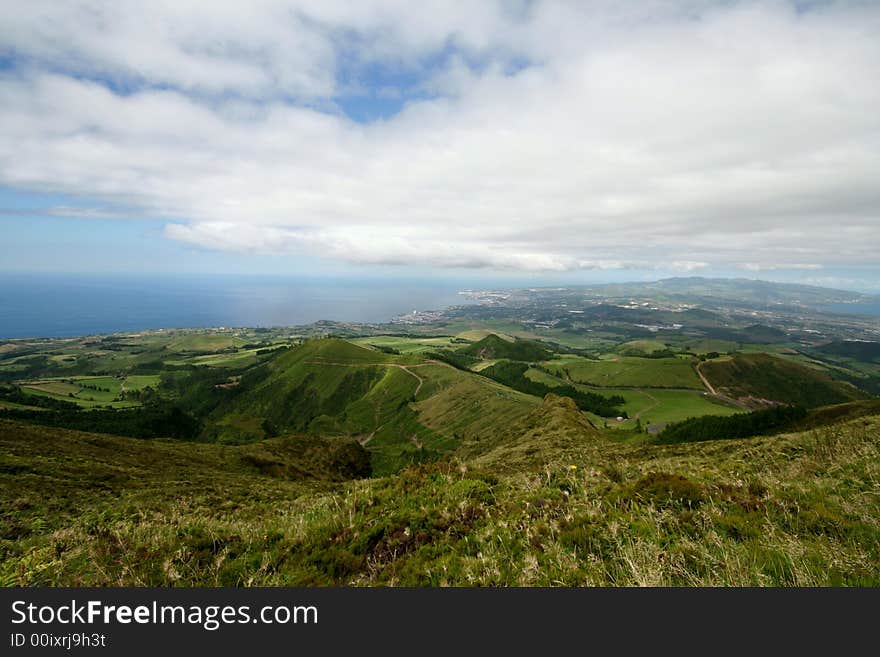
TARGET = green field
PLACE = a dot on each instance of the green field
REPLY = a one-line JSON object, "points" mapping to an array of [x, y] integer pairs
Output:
{"points": [[84, 398], [204, 342], [92, 391], [405, 345], [141, 381], [627, 372], [53, 388], [650, 405], [657, 406], [235, 360], [343, 454]]}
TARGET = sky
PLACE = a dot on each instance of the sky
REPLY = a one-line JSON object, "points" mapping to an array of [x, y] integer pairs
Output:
{"points": [[524, 140]]}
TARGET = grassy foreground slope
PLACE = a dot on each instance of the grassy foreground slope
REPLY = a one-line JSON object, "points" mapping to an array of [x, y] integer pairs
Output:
{"points": [[766, 377], [570, 508]]}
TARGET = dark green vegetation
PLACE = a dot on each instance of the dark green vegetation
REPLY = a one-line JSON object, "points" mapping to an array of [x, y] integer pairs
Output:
{"points": [[480, 447], [741, 425], [763, 376], [858, 349], [161, 420]]}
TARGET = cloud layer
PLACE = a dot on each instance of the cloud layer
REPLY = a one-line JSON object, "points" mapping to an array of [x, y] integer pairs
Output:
{"points": [[533, 136]]}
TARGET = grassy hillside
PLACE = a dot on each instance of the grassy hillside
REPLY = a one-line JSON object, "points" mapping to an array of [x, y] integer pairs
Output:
{"points": [[766, 377], [857, 349], [555, 425], [627, 372], [559, 506], [492, 347], [403, 409]]}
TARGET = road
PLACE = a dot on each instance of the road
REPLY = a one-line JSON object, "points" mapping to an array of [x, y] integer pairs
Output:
{"points": [[705, 380], [727, 400]]}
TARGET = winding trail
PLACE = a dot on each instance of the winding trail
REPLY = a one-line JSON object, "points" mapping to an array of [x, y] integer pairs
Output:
{"points": [[704, 379], [727, 400], [656, 403], [363, 440], [397, 365]]}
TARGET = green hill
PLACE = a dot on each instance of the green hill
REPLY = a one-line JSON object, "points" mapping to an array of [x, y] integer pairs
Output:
{"points": [[765, 377], [761, 334], [857, 349], [403, 409], [492, 347]]}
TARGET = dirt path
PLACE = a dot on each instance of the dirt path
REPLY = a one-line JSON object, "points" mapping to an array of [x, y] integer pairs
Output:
{"points": [[705, 380], [365, 439], [397, 365], [655, 404], [418, 378], [727, 400]]}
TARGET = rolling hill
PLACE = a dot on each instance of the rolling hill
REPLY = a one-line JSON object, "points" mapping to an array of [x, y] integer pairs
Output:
{"points": [[492, 347], [403, 409], [764, 377], [858, 349]]}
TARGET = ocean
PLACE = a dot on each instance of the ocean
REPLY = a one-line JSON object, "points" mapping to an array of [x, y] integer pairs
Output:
{"points": [[70, 305]]}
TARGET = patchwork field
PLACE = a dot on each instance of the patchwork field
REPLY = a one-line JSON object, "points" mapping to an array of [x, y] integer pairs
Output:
{"points": [[92, 391], [627, 372], [204, 342], [648, 406]]}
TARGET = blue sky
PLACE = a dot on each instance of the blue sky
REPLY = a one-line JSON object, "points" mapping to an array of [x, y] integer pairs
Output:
{"points": [[537, 142]]}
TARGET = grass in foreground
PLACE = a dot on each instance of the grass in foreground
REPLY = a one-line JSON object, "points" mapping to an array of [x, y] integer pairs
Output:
{"points": [[797, 509]]}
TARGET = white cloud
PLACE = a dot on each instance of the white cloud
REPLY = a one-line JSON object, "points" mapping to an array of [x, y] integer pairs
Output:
{"points": [[756, 266], [664, 135]]}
